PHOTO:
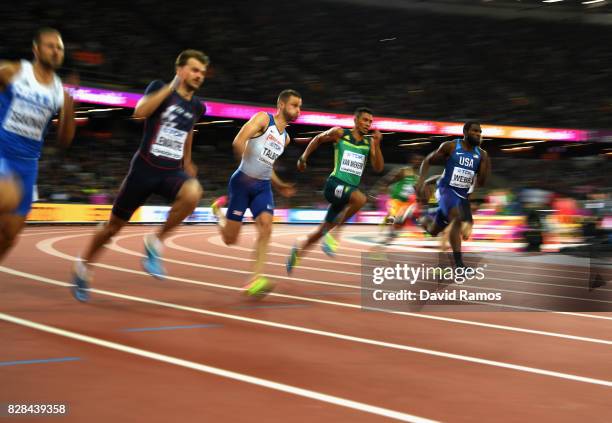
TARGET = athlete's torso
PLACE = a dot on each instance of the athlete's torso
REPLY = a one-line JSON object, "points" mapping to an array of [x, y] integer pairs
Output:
{"points": [[460, 170], [262, 151], [26, 108], [166, 130], [350, 158]]}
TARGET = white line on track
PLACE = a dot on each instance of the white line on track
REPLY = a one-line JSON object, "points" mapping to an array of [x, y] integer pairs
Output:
{"points": [[228, 374], [47, 247], [334, 335], [423, 251], [118, 248]]}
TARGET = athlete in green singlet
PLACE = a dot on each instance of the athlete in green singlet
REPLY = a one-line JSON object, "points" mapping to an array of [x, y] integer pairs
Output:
{"points": [[352, 147]]}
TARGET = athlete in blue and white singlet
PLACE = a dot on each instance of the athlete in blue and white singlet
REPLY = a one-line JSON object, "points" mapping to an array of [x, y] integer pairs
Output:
{"points": [[466, 165], [258, 144], [30, 95]]}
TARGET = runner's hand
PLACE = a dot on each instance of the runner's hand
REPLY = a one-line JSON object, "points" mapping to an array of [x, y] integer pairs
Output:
{"points": [[191, 169], [287, 190]]}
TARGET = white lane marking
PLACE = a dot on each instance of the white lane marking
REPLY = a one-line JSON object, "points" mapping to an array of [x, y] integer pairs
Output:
{"points": [[334, 335], [228, 374], [47, 247]]}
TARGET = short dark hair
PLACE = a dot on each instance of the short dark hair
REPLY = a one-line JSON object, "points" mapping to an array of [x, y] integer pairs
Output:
{"points": [[43, 31], [360, 110], [286, 94], [469, 124], [185, 55]]}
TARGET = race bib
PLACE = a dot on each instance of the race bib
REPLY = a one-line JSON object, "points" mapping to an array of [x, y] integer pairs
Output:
{"points": [[271, 150], [26, 119], [170, 143], [462, 178], [352, 163], [407, 190]]}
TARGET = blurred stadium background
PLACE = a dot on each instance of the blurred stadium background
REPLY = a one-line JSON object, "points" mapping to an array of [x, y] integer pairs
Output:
{"points": [[532, 64]]}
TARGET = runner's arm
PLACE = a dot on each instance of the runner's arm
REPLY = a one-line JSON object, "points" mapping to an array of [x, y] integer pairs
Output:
{"points": [[147, 105], [7, 72], [436, 157], [484, 171], [331, 135], [66, 126], [254, 127], [190, 168]]}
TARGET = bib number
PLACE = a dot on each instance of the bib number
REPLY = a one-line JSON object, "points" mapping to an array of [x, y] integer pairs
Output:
{"points": [[462, 178], [352, 163], [26, 119], [270, 152], [170, 143], [407, 190]]}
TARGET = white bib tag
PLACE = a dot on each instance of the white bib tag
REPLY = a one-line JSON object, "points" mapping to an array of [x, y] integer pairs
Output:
{"points": [[462, 178], [407, 190], [271, 150], [352, 163], [26, 119], [170, 143]]}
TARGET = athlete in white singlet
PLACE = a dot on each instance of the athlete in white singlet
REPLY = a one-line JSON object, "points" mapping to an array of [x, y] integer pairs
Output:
{"points": [[258, 144]]}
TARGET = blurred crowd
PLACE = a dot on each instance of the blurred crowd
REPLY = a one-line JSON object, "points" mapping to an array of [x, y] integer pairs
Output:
{"points": [[339, 56], [92, 170], [400, 63]]}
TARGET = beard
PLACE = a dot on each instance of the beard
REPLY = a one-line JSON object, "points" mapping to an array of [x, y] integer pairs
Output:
{"points": [[49, 63], [289, 117], [474, 142], [192, 86]]}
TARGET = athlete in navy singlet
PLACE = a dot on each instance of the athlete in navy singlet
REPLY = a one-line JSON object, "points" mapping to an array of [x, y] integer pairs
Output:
{"points": [[465, 165], [162, 165]]}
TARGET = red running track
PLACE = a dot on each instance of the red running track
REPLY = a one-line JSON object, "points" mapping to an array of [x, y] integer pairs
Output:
{"points": [[193, 349]]}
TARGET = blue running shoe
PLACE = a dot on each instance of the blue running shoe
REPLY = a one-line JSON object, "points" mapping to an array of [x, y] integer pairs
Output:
{"points": [[292, 260], [152, 262], [80, 283]]}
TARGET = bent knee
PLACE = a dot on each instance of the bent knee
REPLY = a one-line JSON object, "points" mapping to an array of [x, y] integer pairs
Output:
{"points": [[358, 198], [265, 231], [191, 193]]}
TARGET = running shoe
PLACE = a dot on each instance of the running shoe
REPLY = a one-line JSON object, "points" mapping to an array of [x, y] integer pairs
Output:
{"points": [[152, 263], [292, 260], [329, 245], [258, 288], [80, 282], [217, 204]]}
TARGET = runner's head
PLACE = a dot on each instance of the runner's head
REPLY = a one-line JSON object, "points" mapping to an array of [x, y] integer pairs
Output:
{"points": [[48, 48], [363, 120], [472, 133], [191, 66], [416, 160], [289, 103]]}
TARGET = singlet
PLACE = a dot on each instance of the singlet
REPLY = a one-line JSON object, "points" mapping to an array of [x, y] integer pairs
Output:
{"points": [[460, 170], [166, 130], [350, 157], [261, 152], [26, 108]]}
